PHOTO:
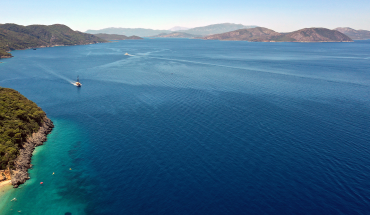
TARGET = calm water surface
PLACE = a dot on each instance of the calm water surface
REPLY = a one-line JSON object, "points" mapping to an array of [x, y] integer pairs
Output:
{"points": [[197, 127]]}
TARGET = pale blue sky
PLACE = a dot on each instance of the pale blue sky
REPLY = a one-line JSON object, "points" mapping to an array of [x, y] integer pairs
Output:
{"points": [[283, 15]]}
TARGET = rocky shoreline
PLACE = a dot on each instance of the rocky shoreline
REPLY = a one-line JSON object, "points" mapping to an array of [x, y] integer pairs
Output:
{"points": [[23, 161], [5, 57]]}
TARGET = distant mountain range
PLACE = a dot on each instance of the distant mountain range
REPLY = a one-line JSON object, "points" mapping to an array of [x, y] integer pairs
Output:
{"points": [[355, 34], [178, 28], [117, 37], [15, 37], [260, 34], [203, 31], [216, 29], [177, 35], [141, 32]]}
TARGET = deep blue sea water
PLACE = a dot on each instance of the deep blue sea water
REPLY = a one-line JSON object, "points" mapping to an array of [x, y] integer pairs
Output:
{"points": [[197, 127]]}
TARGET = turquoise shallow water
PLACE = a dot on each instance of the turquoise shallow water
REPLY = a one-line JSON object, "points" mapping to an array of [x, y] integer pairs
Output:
{"points": [[56, 156], [197, 127]]}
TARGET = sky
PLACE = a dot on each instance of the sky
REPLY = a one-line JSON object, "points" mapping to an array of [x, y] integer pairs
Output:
{"points": [[281, 16]]}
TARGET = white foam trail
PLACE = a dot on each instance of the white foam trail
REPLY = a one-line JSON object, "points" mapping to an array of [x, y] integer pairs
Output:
{"points": [[252, 69], [148, 53], [196, 62], [50, 71]]}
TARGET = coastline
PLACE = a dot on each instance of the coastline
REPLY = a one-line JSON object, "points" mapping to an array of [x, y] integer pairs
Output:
{"points": [[5, 183], [5, 187], [49, 46], [23, 162], [3, 57]]}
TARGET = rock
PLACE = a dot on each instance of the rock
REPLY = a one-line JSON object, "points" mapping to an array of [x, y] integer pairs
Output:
{"points": [[22, 163]]}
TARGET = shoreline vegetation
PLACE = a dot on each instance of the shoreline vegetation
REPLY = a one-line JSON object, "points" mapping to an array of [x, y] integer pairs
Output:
{"points": [[19, 37], [23, 127]]}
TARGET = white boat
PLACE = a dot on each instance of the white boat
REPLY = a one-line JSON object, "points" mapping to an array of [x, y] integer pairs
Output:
{"points": [[78, 84]]}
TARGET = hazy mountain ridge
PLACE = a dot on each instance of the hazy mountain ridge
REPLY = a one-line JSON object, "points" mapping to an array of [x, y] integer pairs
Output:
{"points": [[203, 31], [178, 28], [354, 34], [216, 29], [14, 37], [177, 35], [117, 37], [260, 34], [141, 32]]}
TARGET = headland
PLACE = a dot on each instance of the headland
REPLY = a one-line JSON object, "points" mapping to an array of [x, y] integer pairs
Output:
{"points": [[24, 126], [23, 161], [18, 37]]}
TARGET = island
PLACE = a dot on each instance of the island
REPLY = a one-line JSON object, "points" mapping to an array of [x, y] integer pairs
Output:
{"points": [[23, 126], [117, 37], [18, 37], [261, 34]]}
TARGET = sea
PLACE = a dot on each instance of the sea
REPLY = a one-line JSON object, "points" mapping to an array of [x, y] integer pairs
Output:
{"points": [[185, 126]]}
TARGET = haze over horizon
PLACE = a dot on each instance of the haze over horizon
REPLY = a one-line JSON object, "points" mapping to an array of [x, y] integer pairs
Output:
{"points": [[282, 16]]}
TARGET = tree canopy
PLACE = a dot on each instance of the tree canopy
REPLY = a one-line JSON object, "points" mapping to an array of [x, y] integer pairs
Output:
{"points": [[19, 118]]}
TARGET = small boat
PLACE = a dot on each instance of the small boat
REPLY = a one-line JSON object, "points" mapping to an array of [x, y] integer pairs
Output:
{"points": [[13, 199], [126, 53], [78, 84]]}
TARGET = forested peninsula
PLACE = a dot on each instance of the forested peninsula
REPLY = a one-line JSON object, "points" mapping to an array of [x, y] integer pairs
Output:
{"points": [[17, 37], [23, 126]]}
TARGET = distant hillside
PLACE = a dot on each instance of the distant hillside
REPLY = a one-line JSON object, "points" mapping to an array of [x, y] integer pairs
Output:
{"points": [[14, 37], [260, 34], [252, 34], [355, 34], [216, 29], [315, 35], [177, 35], [141, 32], [117, 37]]}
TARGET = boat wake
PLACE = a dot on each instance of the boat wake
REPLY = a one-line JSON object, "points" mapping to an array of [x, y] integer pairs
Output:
{"points": [[50, 71]]}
